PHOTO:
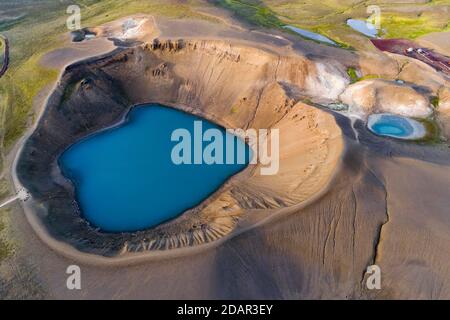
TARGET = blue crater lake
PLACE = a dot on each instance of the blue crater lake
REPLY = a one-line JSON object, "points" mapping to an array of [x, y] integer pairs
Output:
{"points": [[125, 179]]}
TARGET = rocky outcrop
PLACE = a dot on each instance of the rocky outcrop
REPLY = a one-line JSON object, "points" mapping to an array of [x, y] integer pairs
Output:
{"points": [[378, 96], [234, 85], [85, 33]]}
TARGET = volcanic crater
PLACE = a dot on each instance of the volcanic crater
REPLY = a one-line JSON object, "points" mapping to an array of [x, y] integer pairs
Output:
{"points": [[233, 84]]}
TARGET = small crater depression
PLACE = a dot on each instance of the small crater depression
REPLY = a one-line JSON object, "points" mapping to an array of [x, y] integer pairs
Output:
{"points": [[394, 126]]}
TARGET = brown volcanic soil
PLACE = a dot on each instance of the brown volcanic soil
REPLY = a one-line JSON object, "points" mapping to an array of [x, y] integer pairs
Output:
{"points": [[379, 209], [387, 204], [236, 86], [437, 41]]}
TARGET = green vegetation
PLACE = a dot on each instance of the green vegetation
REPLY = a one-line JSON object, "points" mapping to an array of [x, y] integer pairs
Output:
{"points": [[353, 74], [354, 77], [252, 11], [39, 32], [329, 17], [6, 248], [8, 24], [369, 77], [411, 27], [38, 29], [18, 92], [433, 132], [434, 100], [257, 13]]}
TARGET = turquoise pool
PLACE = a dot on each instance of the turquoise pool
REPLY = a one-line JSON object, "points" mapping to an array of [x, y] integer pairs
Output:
{"points": [[396, 126], [125, 179]]}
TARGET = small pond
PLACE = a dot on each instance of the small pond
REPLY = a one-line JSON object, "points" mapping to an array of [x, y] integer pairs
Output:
{"points": [[311, 35], [364, 27]]}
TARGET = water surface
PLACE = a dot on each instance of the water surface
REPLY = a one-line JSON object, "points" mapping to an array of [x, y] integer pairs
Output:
{"points": [[311, 35], [125, 179], [364, 27], [396, 126]]}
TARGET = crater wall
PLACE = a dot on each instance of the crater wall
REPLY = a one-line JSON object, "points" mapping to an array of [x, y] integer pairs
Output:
{"points": [[232, 84]]}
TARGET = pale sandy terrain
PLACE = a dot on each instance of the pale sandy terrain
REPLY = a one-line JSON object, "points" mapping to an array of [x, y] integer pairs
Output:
{"points": [[439, 41], [386, 202], [317, 252], [161, 71], [378, 96], [72, 52]]}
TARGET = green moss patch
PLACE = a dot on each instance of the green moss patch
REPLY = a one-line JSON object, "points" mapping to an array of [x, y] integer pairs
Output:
{"points": [[253, 11], [434, 101], [433, 131], [353, 74]]}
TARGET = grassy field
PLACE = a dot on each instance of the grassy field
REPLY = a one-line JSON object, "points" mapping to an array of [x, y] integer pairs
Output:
{"points": [[39, 32], [6, 247], [252, 11], [34, 28], [329, 17], [2, 51]]}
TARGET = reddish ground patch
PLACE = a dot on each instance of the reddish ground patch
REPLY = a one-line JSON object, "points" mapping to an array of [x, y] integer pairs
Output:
{"points": [[401, 46]]}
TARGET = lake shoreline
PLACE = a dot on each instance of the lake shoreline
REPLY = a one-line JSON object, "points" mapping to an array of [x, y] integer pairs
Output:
{"points": [[64, 247], [115, 222]]}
